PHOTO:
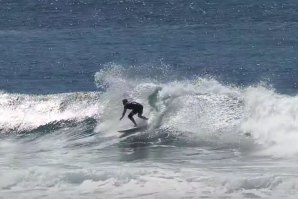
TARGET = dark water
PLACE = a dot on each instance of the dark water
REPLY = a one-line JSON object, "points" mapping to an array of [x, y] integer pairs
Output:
{"points": [[57, 46], [218, 81]]}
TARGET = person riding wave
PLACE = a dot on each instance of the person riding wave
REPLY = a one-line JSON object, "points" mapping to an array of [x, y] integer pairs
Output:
{"points": [[136, 108]]}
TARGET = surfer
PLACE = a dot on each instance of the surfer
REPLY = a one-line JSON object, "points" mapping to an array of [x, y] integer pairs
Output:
{"points": [[136, 108]]}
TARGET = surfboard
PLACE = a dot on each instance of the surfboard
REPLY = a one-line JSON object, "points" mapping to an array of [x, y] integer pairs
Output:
{"points": [[134, 129], [131, 131]]}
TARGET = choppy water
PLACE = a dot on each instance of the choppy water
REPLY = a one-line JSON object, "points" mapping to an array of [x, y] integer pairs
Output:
{"points": [[218, 81]]}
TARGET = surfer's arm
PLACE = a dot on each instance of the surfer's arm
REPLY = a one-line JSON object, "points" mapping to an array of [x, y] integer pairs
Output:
{"points": [[124, 111]]}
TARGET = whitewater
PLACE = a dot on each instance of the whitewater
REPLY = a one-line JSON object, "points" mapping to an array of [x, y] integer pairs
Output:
{"points": [[206, 139]]}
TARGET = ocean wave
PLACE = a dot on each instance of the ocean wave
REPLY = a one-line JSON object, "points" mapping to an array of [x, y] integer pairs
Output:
{"points": [[183, 112], [202, 110]]}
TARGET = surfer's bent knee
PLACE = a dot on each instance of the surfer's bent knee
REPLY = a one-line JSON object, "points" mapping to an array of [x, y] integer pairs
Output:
{"points": [[130, 115]]}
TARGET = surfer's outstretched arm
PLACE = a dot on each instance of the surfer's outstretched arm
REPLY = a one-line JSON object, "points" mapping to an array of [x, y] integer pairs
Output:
{"points": [[124, 111]]}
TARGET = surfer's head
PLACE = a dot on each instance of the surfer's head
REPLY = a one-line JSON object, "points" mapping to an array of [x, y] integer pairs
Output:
{"points": [[124, 101]]}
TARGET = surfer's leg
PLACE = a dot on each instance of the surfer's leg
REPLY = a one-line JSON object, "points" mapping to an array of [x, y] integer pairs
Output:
{"points": [[140, 114], [143, 117], [130, 116]]}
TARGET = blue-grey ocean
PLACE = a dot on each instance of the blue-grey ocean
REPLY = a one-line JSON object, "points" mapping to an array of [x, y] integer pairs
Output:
{"points": [[217, 79]]}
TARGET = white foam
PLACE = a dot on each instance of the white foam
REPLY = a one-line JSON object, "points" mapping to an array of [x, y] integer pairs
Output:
{"points": [[133, 181], [25, 112], [272, 120], [209, 110]]}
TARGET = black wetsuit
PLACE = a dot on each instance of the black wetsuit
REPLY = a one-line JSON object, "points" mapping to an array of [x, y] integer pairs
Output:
{"points": [[135, 107]]}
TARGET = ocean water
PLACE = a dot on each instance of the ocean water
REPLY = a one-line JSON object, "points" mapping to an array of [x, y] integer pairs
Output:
{"points": [[218, 81]]}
